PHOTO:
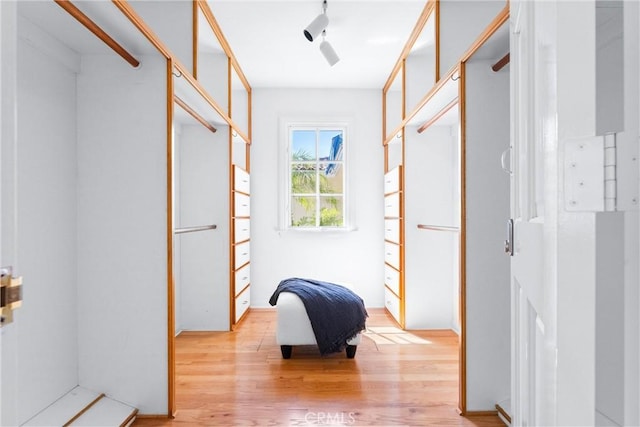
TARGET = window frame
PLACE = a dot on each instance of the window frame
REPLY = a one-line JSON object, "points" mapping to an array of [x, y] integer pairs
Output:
{"points": [[288, 127]]}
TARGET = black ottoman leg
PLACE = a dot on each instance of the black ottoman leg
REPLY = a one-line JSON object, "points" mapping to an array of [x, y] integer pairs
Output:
{"points": [[351, 351], [286, 351]]}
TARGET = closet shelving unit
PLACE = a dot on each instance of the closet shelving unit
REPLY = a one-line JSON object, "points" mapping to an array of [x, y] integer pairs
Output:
{"points": [[443, 136], [121, 116], [208, 80]]}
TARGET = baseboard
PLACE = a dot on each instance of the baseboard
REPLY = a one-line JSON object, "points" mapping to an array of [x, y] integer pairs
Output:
{"points": [[154, 416], [506, 418], [479, 413]]}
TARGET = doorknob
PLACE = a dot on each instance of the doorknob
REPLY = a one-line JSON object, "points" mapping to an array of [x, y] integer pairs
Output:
{"points": [[509, 243]]}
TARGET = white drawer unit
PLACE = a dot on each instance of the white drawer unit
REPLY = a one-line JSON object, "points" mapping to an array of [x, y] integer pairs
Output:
{"points": [[242, 254], [392, 254], [241, 180], [392, 303], [392, 180], [242, 303], [242, 278], [392, 279], [241, 230], [242, 205], [392, 205], [392, 230]]}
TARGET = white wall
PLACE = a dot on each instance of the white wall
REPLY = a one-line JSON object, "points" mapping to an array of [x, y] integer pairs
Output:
{"points": [[431, 257], [8, 144], [204, 199], [355, 257], [420, 76], [487, 211], [632, 220], [213, 75], [610, 354], [461, 22], [46, 324], [162, 16], [122, 230]]}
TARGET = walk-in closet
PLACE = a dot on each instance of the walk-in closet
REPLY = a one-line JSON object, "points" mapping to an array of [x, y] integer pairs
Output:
{"points": [[446, 192]]}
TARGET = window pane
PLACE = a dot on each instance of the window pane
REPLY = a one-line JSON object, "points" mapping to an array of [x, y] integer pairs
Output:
{"points": [[331, 212], [303, 178], [303, 145], [331, 178], [330, 145], [303, 211]]}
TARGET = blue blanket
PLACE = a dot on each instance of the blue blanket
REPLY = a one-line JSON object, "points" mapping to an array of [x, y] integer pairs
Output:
{"points": [[336, 313]]}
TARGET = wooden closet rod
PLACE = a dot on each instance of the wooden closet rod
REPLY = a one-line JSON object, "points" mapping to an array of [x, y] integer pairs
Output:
{"points": [[501, 63], [438, 227], [194, 229], [437, 116], [99, 32], [193, 114]]}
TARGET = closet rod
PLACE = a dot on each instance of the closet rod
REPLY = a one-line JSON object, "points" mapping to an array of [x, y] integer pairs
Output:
{"points": [[501, 63], [99, 32], [438, 115], [183, 230], [438, 228], [193, 114]]}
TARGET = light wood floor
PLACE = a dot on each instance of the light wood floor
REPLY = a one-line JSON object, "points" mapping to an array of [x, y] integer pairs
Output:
{"points": [[240, 378]]}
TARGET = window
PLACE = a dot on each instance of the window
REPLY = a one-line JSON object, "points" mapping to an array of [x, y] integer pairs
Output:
{"points": [[316, 177]]}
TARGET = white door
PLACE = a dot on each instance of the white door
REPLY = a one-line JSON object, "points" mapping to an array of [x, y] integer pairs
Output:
{"points": [[532, 69], [8, 341], [553, 274]]}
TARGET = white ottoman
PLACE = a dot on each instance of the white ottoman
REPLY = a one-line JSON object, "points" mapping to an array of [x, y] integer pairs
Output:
{"points": [[294, 327]]}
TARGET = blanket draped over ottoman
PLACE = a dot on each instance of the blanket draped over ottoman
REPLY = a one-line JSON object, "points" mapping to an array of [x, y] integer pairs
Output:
{"points": [[335, 312]]}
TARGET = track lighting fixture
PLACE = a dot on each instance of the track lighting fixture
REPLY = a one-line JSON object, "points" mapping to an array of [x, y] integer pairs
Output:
{"points": [[327, 50], [319, 26]]}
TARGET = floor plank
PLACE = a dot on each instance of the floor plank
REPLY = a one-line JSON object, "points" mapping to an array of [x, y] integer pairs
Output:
{"points": [[239, 378]]}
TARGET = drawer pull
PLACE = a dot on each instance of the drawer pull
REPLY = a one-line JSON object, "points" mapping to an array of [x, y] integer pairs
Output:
{"points": [[245, 302], [244, 278], [388, 278], [245, 229], [245, 253]]}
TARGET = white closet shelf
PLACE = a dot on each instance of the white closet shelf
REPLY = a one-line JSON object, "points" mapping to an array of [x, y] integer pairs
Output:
{"points": [[439, 227], [183, 230]]}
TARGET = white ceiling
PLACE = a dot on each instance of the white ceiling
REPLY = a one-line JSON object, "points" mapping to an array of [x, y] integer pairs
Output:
{"points": [[266, 38]]}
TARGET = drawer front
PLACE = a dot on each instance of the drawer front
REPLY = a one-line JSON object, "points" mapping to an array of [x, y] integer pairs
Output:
{"points": [[392, 230], [243, 301], [241, 180], [392, 303], [392, 181], [242, 204], [243, 277], [243, 254], [392, 205], [392, 254], [392, 279], [242, 230]]}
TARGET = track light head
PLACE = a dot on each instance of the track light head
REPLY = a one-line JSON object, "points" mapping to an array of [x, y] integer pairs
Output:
{"points": [[329, 54], [316, 27]]}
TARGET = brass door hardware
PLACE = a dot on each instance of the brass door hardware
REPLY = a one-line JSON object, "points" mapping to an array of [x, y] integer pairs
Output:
{"points": [[10, 294]]}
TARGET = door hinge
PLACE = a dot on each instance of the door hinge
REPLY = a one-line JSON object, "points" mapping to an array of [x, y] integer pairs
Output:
{"points": [[10, 295], [590, 174]]}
